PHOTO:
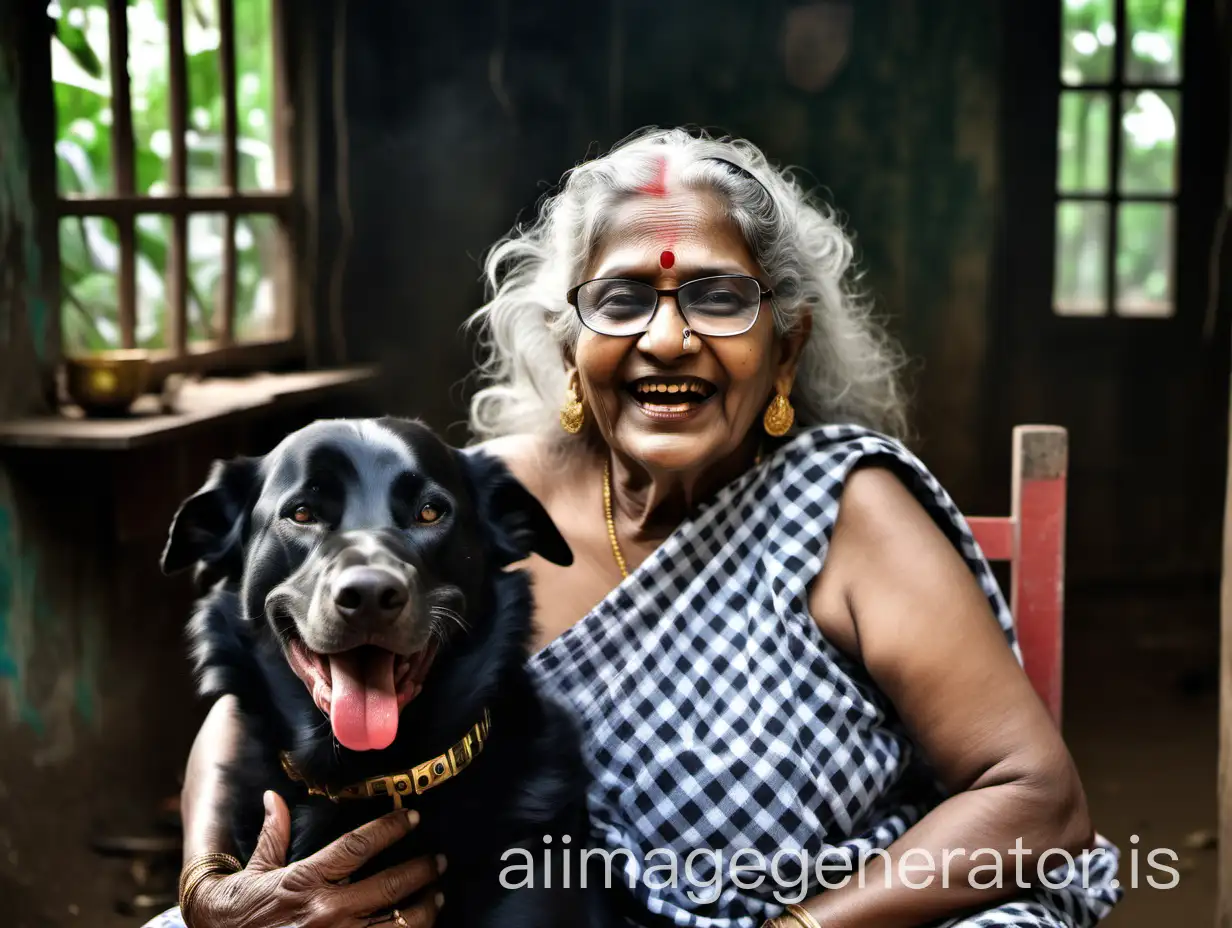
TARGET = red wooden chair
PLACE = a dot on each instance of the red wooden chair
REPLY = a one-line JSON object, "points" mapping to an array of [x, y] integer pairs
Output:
{"points": [[1032, 539]]}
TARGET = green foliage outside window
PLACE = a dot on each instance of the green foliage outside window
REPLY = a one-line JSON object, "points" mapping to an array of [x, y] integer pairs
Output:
{"points": [[1150, 128], [81, 71]]}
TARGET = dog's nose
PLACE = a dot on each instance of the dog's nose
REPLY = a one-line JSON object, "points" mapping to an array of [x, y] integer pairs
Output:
{"points": [[368, 593]]}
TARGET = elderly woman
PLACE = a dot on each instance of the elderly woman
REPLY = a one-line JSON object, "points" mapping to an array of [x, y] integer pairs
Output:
{"points": [[794, 673]]}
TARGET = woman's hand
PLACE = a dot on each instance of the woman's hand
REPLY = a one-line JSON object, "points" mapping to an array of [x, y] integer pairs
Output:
{"points": [[312, 893]]}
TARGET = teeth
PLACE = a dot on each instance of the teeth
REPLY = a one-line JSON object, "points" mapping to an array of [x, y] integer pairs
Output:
{"points": [[672, 388]]}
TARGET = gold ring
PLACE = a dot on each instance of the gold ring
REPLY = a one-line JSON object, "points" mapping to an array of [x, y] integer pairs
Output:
{"points": [[400, 921]]}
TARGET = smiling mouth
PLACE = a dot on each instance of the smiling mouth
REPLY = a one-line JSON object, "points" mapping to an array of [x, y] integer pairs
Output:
{"points": [[362, 690], [668, 395]]}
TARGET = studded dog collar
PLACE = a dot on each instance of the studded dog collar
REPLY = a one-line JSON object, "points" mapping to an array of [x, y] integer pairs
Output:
{"points": [[413, 782]]}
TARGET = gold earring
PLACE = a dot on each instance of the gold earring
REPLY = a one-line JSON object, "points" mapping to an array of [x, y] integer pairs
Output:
{"points": [[779, 416], [572, 413]]}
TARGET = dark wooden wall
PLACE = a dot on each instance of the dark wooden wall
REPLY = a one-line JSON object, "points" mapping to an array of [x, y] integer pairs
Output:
{"points": [[462, 116]]}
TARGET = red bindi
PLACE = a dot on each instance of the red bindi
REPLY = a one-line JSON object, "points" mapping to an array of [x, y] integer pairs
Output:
{"points": [[666, 260]]}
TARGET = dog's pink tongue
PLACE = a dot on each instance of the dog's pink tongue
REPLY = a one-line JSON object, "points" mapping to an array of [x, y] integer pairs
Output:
{"points": [[364, 705]]}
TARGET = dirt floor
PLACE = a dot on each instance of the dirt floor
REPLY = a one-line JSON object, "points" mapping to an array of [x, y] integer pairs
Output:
{"points": [[1140, 717]]}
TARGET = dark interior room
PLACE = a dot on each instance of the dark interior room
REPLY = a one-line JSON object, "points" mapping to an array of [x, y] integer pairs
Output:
{"points": [[221, 220]]}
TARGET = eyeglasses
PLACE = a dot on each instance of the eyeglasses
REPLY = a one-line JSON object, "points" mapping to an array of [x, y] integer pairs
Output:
{"points": [[726, 305]]}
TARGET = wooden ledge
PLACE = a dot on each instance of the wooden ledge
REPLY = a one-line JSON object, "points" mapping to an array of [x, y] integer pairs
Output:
{"points": [[199, 404]]}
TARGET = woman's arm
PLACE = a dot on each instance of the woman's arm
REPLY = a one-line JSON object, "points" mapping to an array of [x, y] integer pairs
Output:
{"points": [[202, 799], [895, 594]]}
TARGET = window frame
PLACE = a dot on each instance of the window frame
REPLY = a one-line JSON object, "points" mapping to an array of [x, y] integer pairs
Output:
{"points": [[124, 204], [1026, 247], [1114, 90]]}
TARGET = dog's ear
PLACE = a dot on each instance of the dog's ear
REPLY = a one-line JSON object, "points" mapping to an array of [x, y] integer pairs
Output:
{"points": [[208, 526], [517, 522]]}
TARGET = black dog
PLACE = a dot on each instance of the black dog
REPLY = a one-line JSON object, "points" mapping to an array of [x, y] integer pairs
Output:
{"points": [[360, 609]]}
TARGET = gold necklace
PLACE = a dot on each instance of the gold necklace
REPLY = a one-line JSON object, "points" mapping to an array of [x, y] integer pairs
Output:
{"points": [[611, 522]]}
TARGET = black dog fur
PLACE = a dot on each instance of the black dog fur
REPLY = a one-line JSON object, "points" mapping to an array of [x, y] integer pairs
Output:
{"points": [[527, 782]]}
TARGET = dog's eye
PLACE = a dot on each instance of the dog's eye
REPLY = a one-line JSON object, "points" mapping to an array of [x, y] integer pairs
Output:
{"points": [[428, 513], [303, 515]]}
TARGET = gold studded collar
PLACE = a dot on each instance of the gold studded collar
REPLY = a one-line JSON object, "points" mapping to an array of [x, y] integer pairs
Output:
{"points": [[413, 782]]}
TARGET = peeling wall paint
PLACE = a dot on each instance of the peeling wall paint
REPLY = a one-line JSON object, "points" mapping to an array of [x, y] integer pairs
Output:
{"points": [[49, 648], [8, 664], [21, 259], [17, 578], [48, 657]]}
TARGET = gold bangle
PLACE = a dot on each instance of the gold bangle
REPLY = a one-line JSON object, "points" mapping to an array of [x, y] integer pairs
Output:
{"points": [[223, 862], [801, 916], [786, 920], [201, 868]]}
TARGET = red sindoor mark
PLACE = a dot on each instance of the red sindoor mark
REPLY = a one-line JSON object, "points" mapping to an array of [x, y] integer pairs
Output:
{"points": [[658, 186]]}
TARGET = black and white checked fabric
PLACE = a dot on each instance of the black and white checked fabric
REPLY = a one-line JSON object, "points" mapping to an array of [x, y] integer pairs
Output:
{"points": [[717, 719]]}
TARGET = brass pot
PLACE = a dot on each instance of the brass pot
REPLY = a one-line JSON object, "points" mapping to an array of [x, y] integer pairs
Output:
{"points": [[107, 383]]}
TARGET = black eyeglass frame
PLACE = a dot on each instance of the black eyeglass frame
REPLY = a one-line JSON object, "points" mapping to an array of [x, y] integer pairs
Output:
{"points": [[766, 293]]}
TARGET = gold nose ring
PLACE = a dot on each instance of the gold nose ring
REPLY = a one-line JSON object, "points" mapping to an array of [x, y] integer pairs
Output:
{"points": [[687, 334]]}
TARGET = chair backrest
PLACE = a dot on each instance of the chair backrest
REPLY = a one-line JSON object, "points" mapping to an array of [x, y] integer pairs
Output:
{"points": [[1032, 539]]}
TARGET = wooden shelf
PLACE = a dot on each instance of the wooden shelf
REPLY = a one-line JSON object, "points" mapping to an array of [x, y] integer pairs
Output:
{"points": [[199, 404]]}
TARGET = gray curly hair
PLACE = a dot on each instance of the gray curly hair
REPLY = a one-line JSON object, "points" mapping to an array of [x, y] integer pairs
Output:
{"points": [[848, 369]]}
